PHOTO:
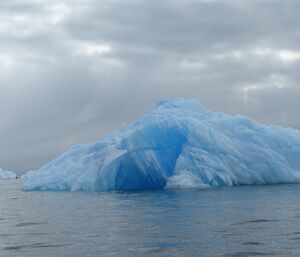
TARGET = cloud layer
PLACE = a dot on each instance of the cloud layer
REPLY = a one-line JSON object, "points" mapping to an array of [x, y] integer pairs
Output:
{"points": [[73, 70]]}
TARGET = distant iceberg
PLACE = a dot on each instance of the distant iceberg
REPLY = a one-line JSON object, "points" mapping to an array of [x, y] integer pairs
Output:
{"points": [[5, 174], [180, 144]]}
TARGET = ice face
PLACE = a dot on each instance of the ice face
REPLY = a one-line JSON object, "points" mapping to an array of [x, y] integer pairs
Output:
{"points": [[5, 174], [179, 144]]}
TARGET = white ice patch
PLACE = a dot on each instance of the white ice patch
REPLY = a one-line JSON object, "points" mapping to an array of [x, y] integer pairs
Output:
{"points": [[184, 181]]}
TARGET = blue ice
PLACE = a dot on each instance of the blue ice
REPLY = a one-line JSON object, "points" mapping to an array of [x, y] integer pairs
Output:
{"points": [[180, 144]]}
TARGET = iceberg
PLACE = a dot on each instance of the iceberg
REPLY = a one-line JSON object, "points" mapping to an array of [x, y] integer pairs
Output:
{"points": [[28, 174], [5, 174], [179, 144]]}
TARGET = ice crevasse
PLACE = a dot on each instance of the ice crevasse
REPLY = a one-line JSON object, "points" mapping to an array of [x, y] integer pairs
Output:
{"points": [[179, 144]]}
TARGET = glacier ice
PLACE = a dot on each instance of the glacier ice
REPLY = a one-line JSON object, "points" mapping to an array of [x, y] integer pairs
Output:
{"points": [[28, 174], [179, 144], [5, 174]]}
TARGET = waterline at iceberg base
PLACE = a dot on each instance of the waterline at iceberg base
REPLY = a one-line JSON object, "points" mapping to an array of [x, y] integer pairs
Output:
{"points": [[179, 144]]}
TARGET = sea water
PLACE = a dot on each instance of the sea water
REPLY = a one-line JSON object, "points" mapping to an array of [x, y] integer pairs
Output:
{"points": [[231, 221]]}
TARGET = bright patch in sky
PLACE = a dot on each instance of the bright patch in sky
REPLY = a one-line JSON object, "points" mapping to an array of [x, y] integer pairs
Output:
{"points": [[275, 81], [193, 65], [285, 56], [91, 49], [6, 61]]}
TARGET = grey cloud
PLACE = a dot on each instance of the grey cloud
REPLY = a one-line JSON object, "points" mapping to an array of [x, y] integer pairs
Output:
{"points": [[72, 71]]}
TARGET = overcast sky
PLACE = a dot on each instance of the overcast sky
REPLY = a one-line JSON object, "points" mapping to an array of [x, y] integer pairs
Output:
{"points": [[73, 70]]}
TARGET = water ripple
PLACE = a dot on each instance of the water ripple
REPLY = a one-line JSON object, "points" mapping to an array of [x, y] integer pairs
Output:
{"points": [[25, 224], [37, 245], [255, 221], [248, 254]]}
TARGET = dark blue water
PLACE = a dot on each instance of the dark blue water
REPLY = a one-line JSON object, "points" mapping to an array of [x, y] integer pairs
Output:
{"points": [[237, 221]]}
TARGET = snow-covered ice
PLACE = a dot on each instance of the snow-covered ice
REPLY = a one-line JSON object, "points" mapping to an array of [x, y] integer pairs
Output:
{"points": [[179, 144], [5, 174]]}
